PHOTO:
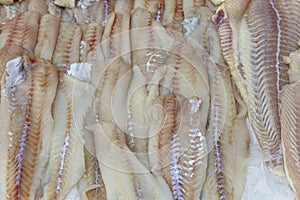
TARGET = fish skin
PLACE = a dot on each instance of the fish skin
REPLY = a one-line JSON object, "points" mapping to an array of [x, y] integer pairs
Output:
{"points": [[48, 33], [66, 161], [27, 132]]}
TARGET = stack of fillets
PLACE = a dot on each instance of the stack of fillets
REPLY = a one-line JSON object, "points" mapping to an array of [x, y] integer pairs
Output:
{"points": [[259, 42], [118, 100]]}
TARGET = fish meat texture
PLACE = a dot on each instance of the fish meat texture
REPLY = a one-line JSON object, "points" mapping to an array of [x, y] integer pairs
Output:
{"points": [[146, 49], [91, 185], [187, 73], [66, 161], [228, 139], [136, 129], [26, 125], [89, 11], [65, 3], [139, 103], [177, 147], [254, 50], [48, 33], [229, 31], [6, 1], [262, 76], [201, 30], [155, 7], [9, 52], [124, 6], [67, 48], [116, 38], [107, 95], [37, 6], [12, 10], [21, 31], [91, 40], [123, 174], [177, 11], [66, 14], [290, 116], [173, 14], [108, 8]]}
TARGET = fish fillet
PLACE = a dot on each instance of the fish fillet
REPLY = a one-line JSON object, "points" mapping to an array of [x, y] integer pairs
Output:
{"points": [[48, 33], [290, 131], [254, 50], [260, 57], [65, 3], [89, 11], [66, 162], [155, 7], [12, 10], [137, 138], [37, 6], [108, 8], [140, 100], [228, 137], [8, 53], [26, 125], [123, 174], [146, 50], [228, 32], [124, 6], [21, 31], [92, 184], [6, 1], [107, 95], [116, 39], [67, 49], [178, 149], [173, 14], [201, 30], [187, 74], [91, 39]]}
